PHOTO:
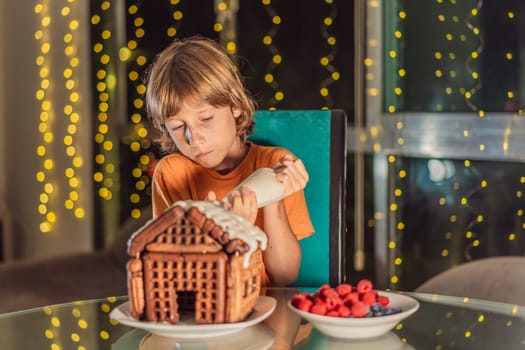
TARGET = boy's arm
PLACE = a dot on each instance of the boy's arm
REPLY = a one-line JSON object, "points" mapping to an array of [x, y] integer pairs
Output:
{"points": [[283, 254]]}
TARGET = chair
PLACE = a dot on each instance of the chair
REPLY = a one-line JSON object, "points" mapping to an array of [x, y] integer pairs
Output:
{"points": [[318, 138], [500, 278]]}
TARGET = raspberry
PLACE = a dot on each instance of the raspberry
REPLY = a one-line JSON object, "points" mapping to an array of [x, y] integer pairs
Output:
{"points": [[364, 286], [359, 309], [319, 309], [333, 301], [343, 289], [369, 298], [323, 287], [383, 300], [305, 305], [351, 298], [297, 298], [319, 299], [333, 313], [343, 311], [329, 292]]}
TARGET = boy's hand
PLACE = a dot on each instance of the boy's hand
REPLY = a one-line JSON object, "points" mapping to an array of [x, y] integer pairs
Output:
{"points": [[211, 196], [243, 203], [292, 174]]}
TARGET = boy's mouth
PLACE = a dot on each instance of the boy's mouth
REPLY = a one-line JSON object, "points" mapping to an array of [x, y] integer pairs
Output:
{"points": [[204, 154]]}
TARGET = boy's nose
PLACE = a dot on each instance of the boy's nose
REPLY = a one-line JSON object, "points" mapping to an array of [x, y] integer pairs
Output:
{"points": [[193, 136], [187, 135]]}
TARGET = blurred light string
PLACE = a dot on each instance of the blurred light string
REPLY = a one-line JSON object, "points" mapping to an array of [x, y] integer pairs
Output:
{"points": [[226, 24], [474, 217], [326, 60], [474, 56], [47, 115], [48, 112], [137, 139], [177, 16], [71, 85], [105, 176], [276, 59]]}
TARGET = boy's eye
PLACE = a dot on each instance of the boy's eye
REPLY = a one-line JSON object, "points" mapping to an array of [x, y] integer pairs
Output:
{"points": [[205, 119], [176, 126]]}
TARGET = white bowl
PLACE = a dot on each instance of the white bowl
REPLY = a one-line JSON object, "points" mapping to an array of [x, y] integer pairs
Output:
{"points": [[364, 327]]}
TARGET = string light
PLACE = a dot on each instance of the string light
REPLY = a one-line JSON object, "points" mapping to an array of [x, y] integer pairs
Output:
{"points": [[226, 24], [326, 61], [138, 142], [276, 58], [47, 116], [394, 99], [475, 55], [47, 60], [73, 115], [177, 16], [105, 175]]}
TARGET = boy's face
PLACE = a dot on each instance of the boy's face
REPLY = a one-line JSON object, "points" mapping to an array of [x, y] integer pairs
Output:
{"points": [[207, 135]]}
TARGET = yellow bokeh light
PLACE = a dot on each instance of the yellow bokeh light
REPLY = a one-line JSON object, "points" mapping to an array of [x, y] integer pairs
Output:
{"points": [[51, 217], [231, 47], [95, 19], [44, 198], [73, 195], [79, 213], [104, 335], [177, 15], [73, 25], [45, 227], [124, 54]]}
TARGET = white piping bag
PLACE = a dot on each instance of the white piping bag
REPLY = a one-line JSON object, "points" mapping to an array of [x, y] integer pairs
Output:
{"points": [[266, 187]]}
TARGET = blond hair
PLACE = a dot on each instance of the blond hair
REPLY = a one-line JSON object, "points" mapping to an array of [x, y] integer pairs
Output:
{"points": [[195, 68]]}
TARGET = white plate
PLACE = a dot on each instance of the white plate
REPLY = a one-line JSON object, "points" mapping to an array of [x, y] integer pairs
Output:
{"points": [[364, 327], [190, 330]]}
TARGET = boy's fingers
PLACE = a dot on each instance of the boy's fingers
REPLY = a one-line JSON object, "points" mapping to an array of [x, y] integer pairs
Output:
{"points": [[211, 196]]}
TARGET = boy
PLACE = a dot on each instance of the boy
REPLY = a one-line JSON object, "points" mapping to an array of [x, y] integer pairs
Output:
{"points": [[199, 104]]}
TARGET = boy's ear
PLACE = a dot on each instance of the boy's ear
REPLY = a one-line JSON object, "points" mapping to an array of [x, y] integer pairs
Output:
{"points": [[237, 112]]}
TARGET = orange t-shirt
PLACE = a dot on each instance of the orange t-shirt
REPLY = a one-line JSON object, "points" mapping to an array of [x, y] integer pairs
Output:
{"points": [[179, 178]]}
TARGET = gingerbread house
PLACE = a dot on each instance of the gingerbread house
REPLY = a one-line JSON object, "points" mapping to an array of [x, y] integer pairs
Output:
{"points": [[196, 258]]}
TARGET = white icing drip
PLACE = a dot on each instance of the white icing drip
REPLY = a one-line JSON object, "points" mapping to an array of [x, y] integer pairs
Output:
{"points": [[235, 225]]}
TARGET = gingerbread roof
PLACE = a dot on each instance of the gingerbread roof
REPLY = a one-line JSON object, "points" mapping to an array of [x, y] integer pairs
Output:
{"points": [[199, 227]]}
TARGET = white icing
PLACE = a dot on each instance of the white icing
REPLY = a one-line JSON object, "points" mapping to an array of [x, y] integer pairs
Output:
{"points": [[235, 225]]}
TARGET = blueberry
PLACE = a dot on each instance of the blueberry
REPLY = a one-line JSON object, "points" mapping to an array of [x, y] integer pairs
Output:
{"points": [[376, 307]]}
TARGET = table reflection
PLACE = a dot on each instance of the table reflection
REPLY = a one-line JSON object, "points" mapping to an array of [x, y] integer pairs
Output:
{"points": [[388, 341], [259, 336], [440, 323]]}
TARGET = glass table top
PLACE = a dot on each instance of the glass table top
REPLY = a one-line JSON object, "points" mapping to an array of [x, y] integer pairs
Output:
{"points": [[440, 323]]}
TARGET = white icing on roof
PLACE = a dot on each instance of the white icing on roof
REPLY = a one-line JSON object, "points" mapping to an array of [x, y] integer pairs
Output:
{"points": [[235, 225]]}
